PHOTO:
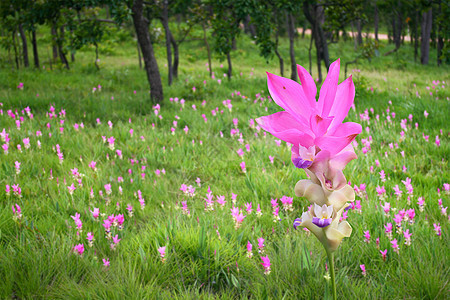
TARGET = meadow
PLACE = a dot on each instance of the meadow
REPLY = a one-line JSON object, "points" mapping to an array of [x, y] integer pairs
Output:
{"points": [[105, 180]]}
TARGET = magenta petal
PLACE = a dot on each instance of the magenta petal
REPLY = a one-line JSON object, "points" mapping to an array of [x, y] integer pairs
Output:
{"points": [[343, 158], [283, 126], [345, 96], [308, 85], [335, 144], [328, 90], [348, 128], [320, 125], [289, 95]]}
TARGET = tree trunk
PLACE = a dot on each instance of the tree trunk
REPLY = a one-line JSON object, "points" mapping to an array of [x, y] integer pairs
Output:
{"points": [[16, 55], [416, 36], [62, 55], [165, 23], [440, 39], [139, 55], [229, 72], [290, 26], [207, 49], [376, 21], [26, 61], [176, 55], [426, 32], [151, 66], [278, 53], [35, 49], [359, 38], [54, 42]]}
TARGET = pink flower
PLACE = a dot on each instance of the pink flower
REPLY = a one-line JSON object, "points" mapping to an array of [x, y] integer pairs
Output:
{"points": [[266, 264], [106, 262], [437, 229], [243, 168], [363, 269], [78, 249], [313, 127], [366, 236], [384, 254], [162, 253], [95, 213], [395, 246], [249, 250]]}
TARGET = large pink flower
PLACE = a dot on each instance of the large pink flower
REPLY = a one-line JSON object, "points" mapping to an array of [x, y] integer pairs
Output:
{"points": [[313, 126]]}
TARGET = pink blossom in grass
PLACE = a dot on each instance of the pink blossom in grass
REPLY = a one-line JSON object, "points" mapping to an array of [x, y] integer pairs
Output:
{"points": [[274, 203], [384, 254], [243, 168], [306, 123], [363, 269], [258, 211], [377, 242], [115, 242], [407, 236], [411, 213], [437, 229], [17, 167], [90, 238], [17, 212], [249, 250], [95, 213], [382, 176], [397, 191], [162, 253], [271, 159], [105, 262], [78, 249], [395, 246], [240, 152], [7, 190], [421, 203], [266, 264], [93, 165], [248, 207], [130, 210], [438, 141], [386, 208], [261, 244], [388, 230], [367, 236], [287, 203], [444, 211], [221, 201]]}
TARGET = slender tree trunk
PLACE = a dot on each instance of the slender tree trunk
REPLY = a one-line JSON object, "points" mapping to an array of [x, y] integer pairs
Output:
{"points": [[359, 38], [205, 39], [320, 19], [151, 66], [278, 53], [54, 42], [62, 55], [290, 26], [26, 61], [233, 43], [96, 56], [416, 36], [376, 21], [229, 72], [165, 23], [16, 55], [176, 55], [426, 32], [309, 52], [440, 39], [35, 49]]}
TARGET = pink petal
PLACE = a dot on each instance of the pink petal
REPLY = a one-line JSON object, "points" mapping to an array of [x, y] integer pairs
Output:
{"points": [[320, 125], [328, 90], [345, 95], [289, 95], [343, 136], [308, 85]]}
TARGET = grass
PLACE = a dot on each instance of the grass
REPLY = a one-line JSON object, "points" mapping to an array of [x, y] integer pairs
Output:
{"points": [[206, 256]]}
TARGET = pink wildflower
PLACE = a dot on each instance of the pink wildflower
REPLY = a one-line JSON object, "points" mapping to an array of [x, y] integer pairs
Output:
{"points": [[266, 264]]}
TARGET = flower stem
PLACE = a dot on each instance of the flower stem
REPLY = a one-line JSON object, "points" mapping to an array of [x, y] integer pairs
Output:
{"points": [[333, 277]]}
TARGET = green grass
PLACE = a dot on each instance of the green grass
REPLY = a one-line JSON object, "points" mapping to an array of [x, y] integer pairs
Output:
{"points": [[35, 254]]}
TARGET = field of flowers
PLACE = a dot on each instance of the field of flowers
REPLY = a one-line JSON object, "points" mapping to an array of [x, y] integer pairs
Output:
{"points": [[103, 194]]}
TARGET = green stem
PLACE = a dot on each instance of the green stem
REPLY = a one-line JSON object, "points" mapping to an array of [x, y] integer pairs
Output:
{"points": [[333, 277]]}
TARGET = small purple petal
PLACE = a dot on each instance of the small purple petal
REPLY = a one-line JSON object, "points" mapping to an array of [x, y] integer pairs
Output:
{"points": [[297, 222], [321, 222], [301, 163]]}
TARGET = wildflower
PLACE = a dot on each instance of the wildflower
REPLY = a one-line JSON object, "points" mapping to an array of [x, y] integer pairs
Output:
{"points": [[407, 236], [258, 211], [237, 216], [437, 229], [242, 164], [248, 207], [221, 201], [261, 245], [306, 123], [90, 238], [17, 167], [162, 253], [386, 208], [366, 236], [384, 254], [78, 249], [388, 230], [421, 203], [105, 262], [266, 264], [363, 269], [130, 210], [116, 241], [249, 250], [395, 246], [287, 203], [17, 212]]}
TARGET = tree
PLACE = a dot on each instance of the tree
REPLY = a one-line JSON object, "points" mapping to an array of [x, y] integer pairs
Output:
{"points": [[425, 38]]}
